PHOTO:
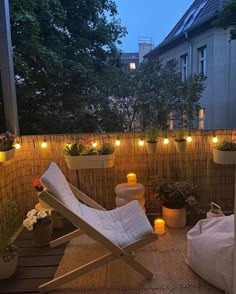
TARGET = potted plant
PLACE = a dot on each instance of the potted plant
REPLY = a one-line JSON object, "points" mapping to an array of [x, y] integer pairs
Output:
{"points": [[225, 153], [8, 252], [180, 141], [152, 136], [77, 157], [175, 197], [40, 222], [7, 150]]}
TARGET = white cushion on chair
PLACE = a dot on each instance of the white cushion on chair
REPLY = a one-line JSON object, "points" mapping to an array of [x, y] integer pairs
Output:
{"points": [[210, 251]]}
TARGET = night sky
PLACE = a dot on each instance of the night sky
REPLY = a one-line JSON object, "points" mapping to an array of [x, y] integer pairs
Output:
{"points": [[150, 18]]}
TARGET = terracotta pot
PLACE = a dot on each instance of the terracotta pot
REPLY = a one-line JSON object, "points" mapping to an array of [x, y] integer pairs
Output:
{"points": [[224, 157], [90, 161], [174, 218], [42, 234], [181, 146], [151, 147], [7, 155], [8, 268]]}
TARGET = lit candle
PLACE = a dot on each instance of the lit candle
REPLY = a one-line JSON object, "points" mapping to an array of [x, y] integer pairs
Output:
{"points": [[131, 178], [159, 226]]}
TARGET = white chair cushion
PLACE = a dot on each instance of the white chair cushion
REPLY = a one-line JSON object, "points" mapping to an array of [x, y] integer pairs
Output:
{"points": [[55, 182], [210, 251]]}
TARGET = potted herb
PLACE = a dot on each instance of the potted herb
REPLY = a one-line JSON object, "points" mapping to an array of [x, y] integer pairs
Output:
{"points": [[152, 136], [40, 222], [8, 252], [180, 141], [225, 153], [175, 197], [77, 157], [7, 150]]}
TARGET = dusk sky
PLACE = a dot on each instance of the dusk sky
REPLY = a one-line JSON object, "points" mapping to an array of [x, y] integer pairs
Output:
{"points": [[150, 18]]}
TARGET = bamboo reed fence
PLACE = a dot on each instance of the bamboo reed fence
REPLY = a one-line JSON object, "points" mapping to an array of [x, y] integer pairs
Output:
{"points": [[216, 182]]}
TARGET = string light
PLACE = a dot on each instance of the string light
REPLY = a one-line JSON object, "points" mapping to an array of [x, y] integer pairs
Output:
{"points": [[215, 139], [44, 144], [17, 145], [189, 139], [117, 142], [141, 142], [166, 141], [94, 144]]}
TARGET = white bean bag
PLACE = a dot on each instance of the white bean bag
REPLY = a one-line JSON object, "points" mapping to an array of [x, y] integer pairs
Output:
{"points": [[210, 246]]}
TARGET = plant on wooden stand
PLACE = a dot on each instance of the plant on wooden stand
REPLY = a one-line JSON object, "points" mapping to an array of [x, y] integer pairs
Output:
{"points": [[152, 136], [8, 252], [175, 196]]}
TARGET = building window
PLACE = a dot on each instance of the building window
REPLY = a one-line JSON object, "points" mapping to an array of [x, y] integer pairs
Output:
{"points": [[184, 66], [132, 65], [202, 60]]}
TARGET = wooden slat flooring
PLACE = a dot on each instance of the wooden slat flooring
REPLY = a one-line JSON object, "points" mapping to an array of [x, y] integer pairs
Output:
{"points": [[35, 265]]}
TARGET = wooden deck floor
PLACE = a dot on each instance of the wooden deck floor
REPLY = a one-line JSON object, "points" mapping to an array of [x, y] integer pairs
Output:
{"points": [[35, 265]]}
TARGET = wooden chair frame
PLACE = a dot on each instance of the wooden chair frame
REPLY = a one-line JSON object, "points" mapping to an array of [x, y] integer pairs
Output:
{"points": [[116, 252]]}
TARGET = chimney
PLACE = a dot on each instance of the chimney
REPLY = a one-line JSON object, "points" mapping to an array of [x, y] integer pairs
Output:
{"points": [[145, 46]]}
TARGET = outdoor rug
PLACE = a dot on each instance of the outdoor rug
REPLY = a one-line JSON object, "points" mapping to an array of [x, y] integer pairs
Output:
{"points": [[164, 257]]}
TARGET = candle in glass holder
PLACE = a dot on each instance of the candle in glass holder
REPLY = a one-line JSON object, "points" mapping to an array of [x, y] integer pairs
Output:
{"points": [[131, 178], [159, 226]]}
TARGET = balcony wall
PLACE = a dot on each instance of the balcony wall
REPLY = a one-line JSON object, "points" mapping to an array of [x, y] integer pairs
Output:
{"points": [[216, 182]]}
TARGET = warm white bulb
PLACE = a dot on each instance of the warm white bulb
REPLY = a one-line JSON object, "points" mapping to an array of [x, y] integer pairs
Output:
{"points": [[94, 144], [17, 145], [215, 139], [166, 141], [117, 142], [44, 144], [189, 139], [141, 142]]}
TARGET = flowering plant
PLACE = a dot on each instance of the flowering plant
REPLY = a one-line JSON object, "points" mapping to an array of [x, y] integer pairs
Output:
{"points": [[176, 194], [37, 217], [37, 185], [6, 141]]}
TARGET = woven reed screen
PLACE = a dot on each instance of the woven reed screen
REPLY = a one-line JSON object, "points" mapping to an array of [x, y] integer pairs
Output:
{"points": [[216, 182]]}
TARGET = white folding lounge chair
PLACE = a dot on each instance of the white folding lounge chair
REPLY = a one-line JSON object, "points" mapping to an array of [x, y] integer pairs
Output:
{"points": [[121, 230]]}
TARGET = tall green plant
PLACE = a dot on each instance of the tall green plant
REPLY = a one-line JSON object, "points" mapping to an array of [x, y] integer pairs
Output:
{"points": [[152, 135]]}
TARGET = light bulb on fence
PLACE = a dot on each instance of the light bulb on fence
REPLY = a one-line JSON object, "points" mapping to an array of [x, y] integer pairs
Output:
{"points": [[17, 145], [44, 144], [166, 141], [189, 139], [215, 139], [94, 144], [117, 142], [141, 142]]}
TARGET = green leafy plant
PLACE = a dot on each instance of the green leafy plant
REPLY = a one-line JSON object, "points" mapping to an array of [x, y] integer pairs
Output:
{"points": [[226, 146], [6, 141], [176, 194], [91, 151], [152, 135], [179, 135], [8, 227], [106, 149], [74, 149]]}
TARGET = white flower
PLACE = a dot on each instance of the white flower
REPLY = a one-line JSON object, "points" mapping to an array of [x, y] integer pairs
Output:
{"points": [[32, 212], [42, 214]]}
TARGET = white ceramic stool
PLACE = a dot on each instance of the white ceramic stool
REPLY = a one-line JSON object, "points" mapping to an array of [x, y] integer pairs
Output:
{"points": [[127, 192]]}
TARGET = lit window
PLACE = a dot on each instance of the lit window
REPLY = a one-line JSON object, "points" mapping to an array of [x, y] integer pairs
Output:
{"points": [[184, 66], [202, 60], [132, 65]]}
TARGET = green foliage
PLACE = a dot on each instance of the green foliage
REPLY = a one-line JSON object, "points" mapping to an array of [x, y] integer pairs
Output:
{"points": [[152, 135], [91, 151], [106, 149], [227, 18], [226, 146], [73, 149], [8, 227], [179, 135], [176, 194]]}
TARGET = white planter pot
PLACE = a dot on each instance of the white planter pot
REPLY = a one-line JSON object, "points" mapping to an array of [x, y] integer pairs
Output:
{"points": [[8, 268], [90, 161], [180, 146], [7, 155], [151, 148], [174, 218], [224, 157]]}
